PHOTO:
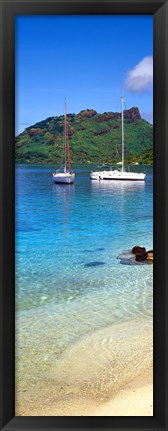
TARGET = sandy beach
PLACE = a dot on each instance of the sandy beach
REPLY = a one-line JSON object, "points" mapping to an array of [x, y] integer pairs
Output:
{"points": [[136, 399], [107, 373], [135, 402]]}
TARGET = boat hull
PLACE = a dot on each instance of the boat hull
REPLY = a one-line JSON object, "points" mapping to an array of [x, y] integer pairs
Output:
{"points": [[64, 178], [117, 175]]}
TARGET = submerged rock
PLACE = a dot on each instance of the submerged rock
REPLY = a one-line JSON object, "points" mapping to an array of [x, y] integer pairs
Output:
{"points": [[138, 255], [94, 263], [127, 258]]}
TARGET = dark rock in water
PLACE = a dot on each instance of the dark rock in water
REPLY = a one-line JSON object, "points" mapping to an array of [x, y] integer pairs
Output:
{"points": [[149, 256], [94, 263], [129, 258], [140, 257], [137, 249], [100, 249]]}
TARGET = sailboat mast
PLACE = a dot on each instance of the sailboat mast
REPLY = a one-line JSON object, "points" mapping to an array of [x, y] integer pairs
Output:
{"points": [[122, 119], [67, 144], [65, 133]]}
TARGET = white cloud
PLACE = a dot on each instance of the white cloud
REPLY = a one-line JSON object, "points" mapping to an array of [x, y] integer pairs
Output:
{"points": [[140, 78]]}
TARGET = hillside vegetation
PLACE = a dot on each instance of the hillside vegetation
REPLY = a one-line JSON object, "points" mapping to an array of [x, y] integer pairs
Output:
{"points": [[93, 138]]}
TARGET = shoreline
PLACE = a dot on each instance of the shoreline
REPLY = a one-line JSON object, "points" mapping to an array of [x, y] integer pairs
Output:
{"points": [[103, 374], [135, 399]]}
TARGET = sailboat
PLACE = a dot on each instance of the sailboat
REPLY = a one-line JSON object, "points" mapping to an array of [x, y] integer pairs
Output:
{"points": [[118, 174], [64, 175]]}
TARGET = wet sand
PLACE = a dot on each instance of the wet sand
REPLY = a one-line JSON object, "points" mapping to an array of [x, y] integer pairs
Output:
{"points": [[136, 399], [105, 373]]}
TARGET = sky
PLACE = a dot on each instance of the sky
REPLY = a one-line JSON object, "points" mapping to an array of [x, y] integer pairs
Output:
{"points": [[89, 60]]}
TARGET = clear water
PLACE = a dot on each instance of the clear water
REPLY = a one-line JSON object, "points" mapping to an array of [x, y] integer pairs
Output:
{"points": [[70, 283]]}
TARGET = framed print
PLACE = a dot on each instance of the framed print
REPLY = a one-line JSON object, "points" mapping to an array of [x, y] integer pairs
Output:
{"points": [[83, 210]]}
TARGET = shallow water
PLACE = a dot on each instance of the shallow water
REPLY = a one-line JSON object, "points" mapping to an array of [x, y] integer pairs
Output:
{"points": [[71, 287]]}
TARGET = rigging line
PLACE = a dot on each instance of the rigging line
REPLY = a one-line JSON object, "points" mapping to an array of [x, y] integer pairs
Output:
{"points": [[125, 107]]}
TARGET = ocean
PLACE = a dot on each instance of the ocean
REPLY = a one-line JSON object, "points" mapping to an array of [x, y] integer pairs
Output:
{"points": [[83, 307]]}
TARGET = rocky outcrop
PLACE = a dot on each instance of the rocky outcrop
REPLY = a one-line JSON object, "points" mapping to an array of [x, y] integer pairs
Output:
{"points": [[102, 132], [101, 118], [137, 249], [35, 132], [132, 114], [137, 254], [71, 131], [150, 256], [142, 255], [88, 113]]}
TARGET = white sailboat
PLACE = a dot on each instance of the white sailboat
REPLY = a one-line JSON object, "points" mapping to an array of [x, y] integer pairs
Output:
{"points": [[118, 174], [64, 175]]}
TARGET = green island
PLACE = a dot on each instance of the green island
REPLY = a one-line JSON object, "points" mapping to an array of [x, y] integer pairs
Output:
{"points": [[93, 138]]}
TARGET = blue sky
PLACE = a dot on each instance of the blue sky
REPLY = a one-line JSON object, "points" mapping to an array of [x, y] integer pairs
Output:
{"points": [[90, 60]]}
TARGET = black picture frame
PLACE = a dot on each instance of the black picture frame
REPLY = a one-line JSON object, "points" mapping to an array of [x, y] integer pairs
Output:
{"points": [[8, 11]]}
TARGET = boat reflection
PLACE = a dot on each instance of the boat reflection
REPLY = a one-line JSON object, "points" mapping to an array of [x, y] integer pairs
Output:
{"points": [[63, 189], [119, 186], [63, 194]]}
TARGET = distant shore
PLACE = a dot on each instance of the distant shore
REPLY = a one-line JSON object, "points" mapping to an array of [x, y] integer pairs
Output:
{"points": [[89, 162]]}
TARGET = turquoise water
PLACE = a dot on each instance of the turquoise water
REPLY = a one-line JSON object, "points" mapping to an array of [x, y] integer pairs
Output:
{"points": [[70, 282]]}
